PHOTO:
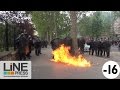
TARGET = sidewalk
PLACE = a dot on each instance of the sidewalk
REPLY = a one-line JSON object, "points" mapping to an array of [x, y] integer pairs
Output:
{"points": [[5, 54]]}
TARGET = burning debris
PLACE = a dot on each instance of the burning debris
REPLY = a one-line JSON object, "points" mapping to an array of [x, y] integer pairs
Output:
{"points": [[63, 55]]}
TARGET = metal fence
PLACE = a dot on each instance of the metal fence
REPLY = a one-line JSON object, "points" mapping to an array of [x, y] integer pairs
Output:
{"points": [[12, 34]]}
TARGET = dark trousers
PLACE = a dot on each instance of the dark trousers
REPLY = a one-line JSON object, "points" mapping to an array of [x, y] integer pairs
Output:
{"points": [[46, 46], [94, 50], [28, 55], [104, 52], [38, 51], [100, 52], [108, 52], [82, 50], [90, 51], [21, 56]]}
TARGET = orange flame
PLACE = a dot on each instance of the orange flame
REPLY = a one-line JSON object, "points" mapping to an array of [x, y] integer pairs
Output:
{"points": [[62, 54]]}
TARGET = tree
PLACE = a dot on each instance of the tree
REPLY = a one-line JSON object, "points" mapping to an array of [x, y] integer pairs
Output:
{"points": [[73, 31], [96, 27], [51, 24], [2, 29], [10, 19], [116, 14], [85, 26], [44, 23], [97, 24], [62, 24], [107, 21]]}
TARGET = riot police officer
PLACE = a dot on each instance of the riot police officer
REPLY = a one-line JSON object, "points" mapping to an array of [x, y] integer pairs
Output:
{"points": [[107, 47], [37, 45], [20, 45]]}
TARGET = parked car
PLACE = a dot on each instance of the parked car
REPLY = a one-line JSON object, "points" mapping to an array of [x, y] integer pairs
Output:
{"points": [[86, 48]]}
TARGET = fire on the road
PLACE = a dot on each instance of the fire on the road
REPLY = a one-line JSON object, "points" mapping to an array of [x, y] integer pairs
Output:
{"points": [[62, 54]]}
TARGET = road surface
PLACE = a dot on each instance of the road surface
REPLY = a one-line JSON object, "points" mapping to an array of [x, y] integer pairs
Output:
{"points": [[43, 68]]}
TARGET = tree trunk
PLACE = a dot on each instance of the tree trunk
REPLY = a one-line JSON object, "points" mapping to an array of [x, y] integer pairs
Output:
{"points": [[73, 31], [6, 37], [47, 36], [55, 27], [14, 36], [50, 38]]}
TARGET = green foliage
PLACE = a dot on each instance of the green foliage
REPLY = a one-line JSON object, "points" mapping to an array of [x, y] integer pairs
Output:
{"points": [[51, 21], [63, 25], [97, 24], [116, 14], [85, 26], [108, 19], [94, 25]]}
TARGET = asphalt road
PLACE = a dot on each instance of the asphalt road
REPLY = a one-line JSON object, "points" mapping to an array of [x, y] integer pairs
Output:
{"points": [[43, 68]]}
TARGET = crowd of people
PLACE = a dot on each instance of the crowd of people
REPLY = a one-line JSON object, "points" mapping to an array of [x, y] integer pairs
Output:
{"points": [[25, 43], [99, 47], [115, 42]]}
